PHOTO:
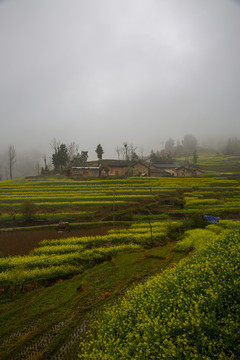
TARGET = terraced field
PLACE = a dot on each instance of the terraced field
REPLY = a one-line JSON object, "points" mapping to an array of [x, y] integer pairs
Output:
{"points": [[55, 296], [191, 312], [85, 274], [57, 199]]}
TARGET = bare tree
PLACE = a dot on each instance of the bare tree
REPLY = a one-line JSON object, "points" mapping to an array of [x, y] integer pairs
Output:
{"points": [[45, 161], [11, 159], [126, 150], [142, 153], [132, 154], [129, 152], [189, 143], [72, 150], [118, 151], [55, 144], [169, 146], [6, 173], [37, 168]]}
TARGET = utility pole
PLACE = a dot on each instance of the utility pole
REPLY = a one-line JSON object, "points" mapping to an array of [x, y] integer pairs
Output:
{"points": [[150, 226], [113, 207]]}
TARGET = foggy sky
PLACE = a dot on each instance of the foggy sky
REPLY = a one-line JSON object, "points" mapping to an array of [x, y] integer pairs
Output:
{"points": [[109, 71]]}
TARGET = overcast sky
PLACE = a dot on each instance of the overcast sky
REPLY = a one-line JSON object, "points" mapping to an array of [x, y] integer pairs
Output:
{"points": [[109, 71]]}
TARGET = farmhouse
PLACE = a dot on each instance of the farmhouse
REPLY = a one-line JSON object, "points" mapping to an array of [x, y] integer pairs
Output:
{"points": [[123, 168], [116, 167], [172, 170], [85, 171], [186, 172], [105, 167], [162, 170], [141, 169]]}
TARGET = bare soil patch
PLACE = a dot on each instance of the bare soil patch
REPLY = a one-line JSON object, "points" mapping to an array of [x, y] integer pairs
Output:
{"points": [[22, 242]]}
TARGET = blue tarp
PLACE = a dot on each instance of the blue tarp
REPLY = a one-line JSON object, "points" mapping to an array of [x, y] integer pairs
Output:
{"points": [[211, 219]]}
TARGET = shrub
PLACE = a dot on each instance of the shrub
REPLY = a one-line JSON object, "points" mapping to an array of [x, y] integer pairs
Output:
{"points": [[28, 210], [198, 220]]}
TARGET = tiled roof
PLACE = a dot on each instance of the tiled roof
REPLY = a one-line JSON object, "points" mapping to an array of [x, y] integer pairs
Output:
{"points": [[116, 163], [86, 167], [165, 166]]}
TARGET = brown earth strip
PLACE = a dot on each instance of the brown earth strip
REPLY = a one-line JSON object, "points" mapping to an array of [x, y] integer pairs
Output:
{"points": [[22, 242]]}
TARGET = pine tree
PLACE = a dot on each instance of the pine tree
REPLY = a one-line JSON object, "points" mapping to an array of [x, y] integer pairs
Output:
{"points": [[99, 151]]}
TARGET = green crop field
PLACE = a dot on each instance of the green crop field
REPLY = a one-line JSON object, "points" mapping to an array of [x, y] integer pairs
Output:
{"points": [[159, 284], [215, 163], [58, 199], [191, 312]]}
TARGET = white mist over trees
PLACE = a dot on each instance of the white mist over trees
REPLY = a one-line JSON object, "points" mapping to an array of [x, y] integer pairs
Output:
{"points": [[61, 155], [114, 71]]}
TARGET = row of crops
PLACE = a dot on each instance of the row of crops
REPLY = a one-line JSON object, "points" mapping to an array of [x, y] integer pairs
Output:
{"points": [[5, 217], [217, 201], [69, 256], [210, 194], [190, 312]]}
